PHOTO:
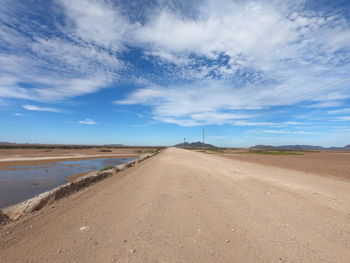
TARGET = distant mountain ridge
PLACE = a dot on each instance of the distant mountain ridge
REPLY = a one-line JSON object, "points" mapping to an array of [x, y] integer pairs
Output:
{"points": [[300, 147], [194, 145]]}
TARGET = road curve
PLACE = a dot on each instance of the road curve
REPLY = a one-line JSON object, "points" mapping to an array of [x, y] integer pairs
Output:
{"points": [[185, 206]]}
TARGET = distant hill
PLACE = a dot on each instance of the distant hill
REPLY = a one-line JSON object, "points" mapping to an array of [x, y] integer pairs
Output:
{"points": [[194, 145], [300, 147], [345, 148]]}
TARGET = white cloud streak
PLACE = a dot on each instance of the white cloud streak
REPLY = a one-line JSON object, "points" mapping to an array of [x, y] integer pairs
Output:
{"points": [[284, 132], [326, 104], [343, 118], [39, 108], [87, 122], [341, 111], [213, 102]]}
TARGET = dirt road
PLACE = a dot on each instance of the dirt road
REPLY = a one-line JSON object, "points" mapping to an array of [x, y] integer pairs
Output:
{"points": [[184, 206]]}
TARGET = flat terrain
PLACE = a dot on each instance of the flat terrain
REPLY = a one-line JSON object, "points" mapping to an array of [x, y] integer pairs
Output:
{"points": [[12, 157], [185, 206], [328, 163]]}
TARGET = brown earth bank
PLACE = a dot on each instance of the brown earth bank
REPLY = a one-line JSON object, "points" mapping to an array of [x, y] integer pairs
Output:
{"points": [[185, 206], [15, 157], [327, 163]]}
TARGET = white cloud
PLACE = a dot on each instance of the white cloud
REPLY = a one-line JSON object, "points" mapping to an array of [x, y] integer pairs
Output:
{"points": [[201, 97], [190, 122], [340, 111], [326, 104], [274, 40], [257, 34], [169, 57], [274, 131], [343, 118], [284, 132], [97, 22], [341, 130], [56, 66], [214, 102], [49, 85], [262, 33], [269, 124], [295, 123], [253, 123], [39, 108], [18, 114], [219, 117], [75, 55], [193, 105], [236, 56], [181, 122], [87, 122]]}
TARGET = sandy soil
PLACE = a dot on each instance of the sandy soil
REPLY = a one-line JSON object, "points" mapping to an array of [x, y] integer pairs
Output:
{"points": [[326, 163], [185, 206], [13, 157]]}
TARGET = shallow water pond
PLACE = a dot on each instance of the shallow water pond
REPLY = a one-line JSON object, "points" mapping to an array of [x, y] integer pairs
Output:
{"points": [[18, 183]]}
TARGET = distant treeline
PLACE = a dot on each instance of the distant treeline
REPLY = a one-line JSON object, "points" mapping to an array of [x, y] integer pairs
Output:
{"points": [[43, 146]]}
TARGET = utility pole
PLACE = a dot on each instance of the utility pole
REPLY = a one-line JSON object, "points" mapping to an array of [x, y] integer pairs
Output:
{"points": [[203, 140]]}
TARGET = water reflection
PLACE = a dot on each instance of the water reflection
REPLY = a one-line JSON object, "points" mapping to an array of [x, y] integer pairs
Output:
{"points": [[19, 183]]}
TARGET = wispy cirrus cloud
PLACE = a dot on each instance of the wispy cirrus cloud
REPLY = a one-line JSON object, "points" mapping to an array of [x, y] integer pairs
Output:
{"points": [[285, 132], [52, 64], [216, 102], [87, 122], [39, 108], [340, 111], [342, 118], [326, 104]]}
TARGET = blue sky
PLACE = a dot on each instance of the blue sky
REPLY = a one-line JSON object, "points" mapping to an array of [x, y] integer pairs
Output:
{"points": [[154, 72]]}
